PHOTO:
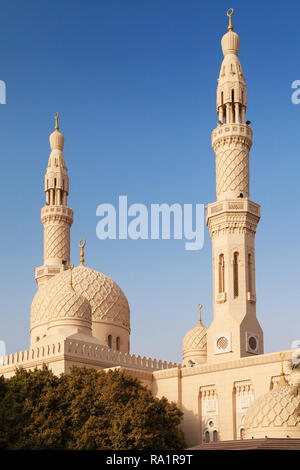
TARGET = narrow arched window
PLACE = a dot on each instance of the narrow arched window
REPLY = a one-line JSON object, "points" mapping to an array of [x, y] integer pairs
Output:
{"points": [[249, 273], [55, 182], [215, 435], [109, 341], [118, 343], [242, 433], [207, 437], [232, 106], [235, 274], [221, 274]]}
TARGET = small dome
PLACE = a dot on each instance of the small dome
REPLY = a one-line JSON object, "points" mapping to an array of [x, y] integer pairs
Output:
{"points": [[274, 414], [194, 344], [57, 140], [69, 304], [230, 43], [70, 309]]}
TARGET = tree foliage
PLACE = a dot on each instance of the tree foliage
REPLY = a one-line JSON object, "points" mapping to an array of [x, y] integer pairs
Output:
{"points": [[85, 409]]}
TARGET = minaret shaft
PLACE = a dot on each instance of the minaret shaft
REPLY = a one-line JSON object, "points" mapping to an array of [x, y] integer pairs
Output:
{"points": [[232, 220], [56, 216]]}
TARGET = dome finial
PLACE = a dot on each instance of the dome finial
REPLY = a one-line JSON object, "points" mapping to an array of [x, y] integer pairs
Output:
{"points": [[282, 380], [229, 14], [81, 246], [71, 267], [56, 116], [200, 308]]}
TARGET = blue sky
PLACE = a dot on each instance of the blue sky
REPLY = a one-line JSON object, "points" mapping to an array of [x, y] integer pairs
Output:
{"points": [[135, 83]]}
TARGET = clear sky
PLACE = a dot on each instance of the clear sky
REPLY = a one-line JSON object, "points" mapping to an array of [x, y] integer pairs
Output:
{"points": [[135, 83]]}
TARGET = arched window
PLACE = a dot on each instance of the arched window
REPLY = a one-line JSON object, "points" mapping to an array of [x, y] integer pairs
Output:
{"points": [[242, 433], [236, 274], [206, 437], [215, 435], [118, 343], [249, 273], [109, 341], [55, 182], [221, 274]]}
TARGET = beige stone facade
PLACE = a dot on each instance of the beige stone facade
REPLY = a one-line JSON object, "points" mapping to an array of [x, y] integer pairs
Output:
{"points": [[226, 386]]}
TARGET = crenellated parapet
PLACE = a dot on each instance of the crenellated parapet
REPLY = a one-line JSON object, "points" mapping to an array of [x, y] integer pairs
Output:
{"points": [[78, 352]]}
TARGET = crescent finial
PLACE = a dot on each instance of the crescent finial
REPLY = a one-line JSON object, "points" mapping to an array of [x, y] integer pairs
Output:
{"points": [[229, 14], [82, 244], [200, 308], [56, 116]]}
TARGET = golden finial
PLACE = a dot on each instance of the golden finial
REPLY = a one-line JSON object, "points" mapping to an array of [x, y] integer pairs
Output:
{"points": [[200, 308], [229, 14], [282, 380], [56, 116], [82, 245], [71, 267]]}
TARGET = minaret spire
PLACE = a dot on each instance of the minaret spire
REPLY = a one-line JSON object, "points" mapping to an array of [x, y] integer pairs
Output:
{"points": [[232, 220], [56, 216]]}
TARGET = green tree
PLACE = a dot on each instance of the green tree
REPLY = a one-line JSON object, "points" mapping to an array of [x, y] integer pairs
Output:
{"points": [[85, 409]]}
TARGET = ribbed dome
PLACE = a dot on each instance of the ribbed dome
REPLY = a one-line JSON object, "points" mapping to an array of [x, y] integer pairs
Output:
{"points": [[195, 339], [274, 414], [230, 43], [194, 344], [108, 302], [57, 140]]}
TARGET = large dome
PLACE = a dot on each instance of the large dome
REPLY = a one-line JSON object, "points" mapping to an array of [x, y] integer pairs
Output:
{"points": [[274, 414], [108, 302]]}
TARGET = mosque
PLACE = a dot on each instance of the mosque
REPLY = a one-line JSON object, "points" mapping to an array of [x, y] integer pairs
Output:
{"points": [[227, 388]]}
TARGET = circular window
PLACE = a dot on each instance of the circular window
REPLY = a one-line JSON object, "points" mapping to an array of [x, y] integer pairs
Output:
{"points": [[252, 343], [211, 423], [222, 342]]}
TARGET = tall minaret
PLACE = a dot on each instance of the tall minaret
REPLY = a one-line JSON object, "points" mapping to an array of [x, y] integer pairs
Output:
{"points": [[232, 220], [56, 217]]}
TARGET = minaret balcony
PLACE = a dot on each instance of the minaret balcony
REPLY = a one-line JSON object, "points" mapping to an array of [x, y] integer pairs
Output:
{"points": [[232, 205], [50, 212], [236, 129]]}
